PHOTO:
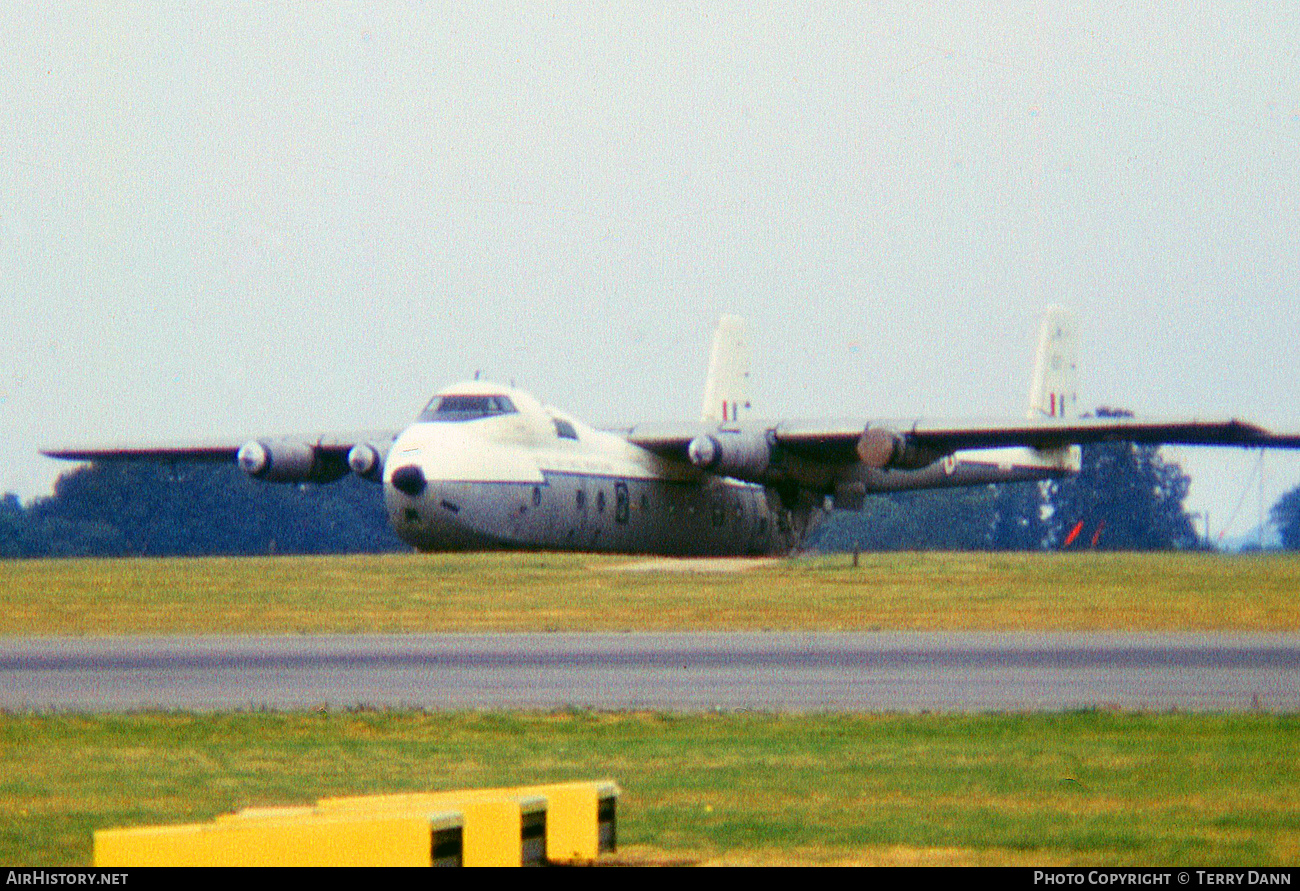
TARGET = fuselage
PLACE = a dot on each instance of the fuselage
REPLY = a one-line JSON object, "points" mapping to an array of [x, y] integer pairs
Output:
{"points": [[487, 466]]}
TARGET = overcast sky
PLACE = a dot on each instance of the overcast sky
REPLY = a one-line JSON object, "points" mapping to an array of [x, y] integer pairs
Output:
{"points": [[229, 219]]}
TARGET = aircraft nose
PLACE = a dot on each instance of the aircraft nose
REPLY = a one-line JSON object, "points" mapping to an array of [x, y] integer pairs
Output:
{"points": [[409, 479]]}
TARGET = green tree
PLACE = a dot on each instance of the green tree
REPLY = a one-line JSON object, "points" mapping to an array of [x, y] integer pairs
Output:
{"points": [[1286, 517], [1002, 517], [117, 509], [1125, 497], [1017, 523], [11, 526]]}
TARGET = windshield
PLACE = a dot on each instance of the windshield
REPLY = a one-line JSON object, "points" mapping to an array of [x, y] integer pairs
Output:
{"points": [[467, 408]]}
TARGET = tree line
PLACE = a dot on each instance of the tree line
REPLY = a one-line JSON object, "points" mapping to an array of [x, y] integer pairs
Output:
{"points": [[1126, 497], [126, 509]]}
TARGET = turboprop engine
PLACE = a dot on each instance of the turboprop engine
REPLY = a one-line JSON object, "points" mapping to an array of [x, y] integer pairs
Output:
{"points": [[753, 455], [366, 461], [881, 448], [289, 461], [744, 456]]}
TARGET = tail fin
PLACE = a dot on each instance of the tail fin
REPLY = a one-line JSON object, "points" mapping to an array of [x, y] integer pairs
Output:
{"points": [[726, 392], [1056, 376], [1054, 393]]}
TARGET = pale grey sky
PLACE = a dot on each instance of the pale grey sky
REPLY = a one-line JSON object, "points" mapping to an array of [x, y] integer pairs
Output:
{"points": [[271, 217]]}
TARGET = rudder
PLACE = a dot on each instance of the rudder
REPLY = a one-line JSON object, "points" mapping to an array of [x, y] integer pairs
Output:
{"points": [[726, 391], [1054, 393]]}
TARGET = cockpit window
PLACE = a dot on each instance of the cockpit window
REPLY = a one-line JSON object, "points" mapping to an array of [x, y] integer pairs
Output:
{"points": [[564, 430], [467, 408]]}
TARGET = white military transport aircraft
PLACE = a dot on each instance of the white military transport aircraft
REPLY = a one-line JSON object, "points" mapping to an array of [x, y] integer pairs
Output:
{"points": [[489, 467]]}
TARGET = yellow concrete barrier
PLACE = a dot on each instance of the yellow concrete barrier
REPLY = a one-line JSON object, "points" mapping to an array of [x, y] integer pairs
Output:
{"points": [[497, 829], [557, 822], [580, 821], [344, 840]]}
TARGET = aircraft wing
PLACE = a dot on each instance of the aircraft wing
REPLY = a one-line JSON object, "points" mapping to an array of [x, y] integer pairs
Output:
{"points": [[948, 437], [812, 450], [215, 452], [302, 458]]}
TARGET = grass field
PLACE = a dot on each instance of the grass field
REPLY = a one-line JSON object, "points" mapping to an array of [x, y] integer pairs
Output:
{"points": [[566, 592], [1090, 788]]}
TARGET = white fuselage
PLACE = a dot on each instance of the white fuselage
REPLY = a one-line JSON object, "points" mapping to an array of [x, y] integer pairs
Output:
{"points": [[533, 478]]}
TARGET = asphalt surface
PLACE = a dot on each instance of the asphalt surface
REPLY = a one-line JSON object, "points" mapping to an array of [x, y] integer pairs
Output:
{"points": [[801, 672]]}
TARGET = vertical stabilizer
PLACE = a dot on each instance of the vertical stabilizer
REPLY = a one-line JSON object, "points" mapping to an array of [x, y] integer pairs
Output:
{"points": [[1055, 392], [726, 392], [1056, 375]]}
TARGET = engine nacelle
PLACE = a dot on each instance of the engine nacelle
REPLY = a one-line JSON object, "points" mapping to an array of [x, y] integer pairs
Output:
{"points": [[881, 448], [745, 456], [287, 461], [366, 461]]}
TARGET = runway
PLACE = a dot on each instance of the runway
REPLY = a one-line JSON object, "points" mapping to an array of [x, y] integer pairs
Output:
{"points": [[796, 672]]}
